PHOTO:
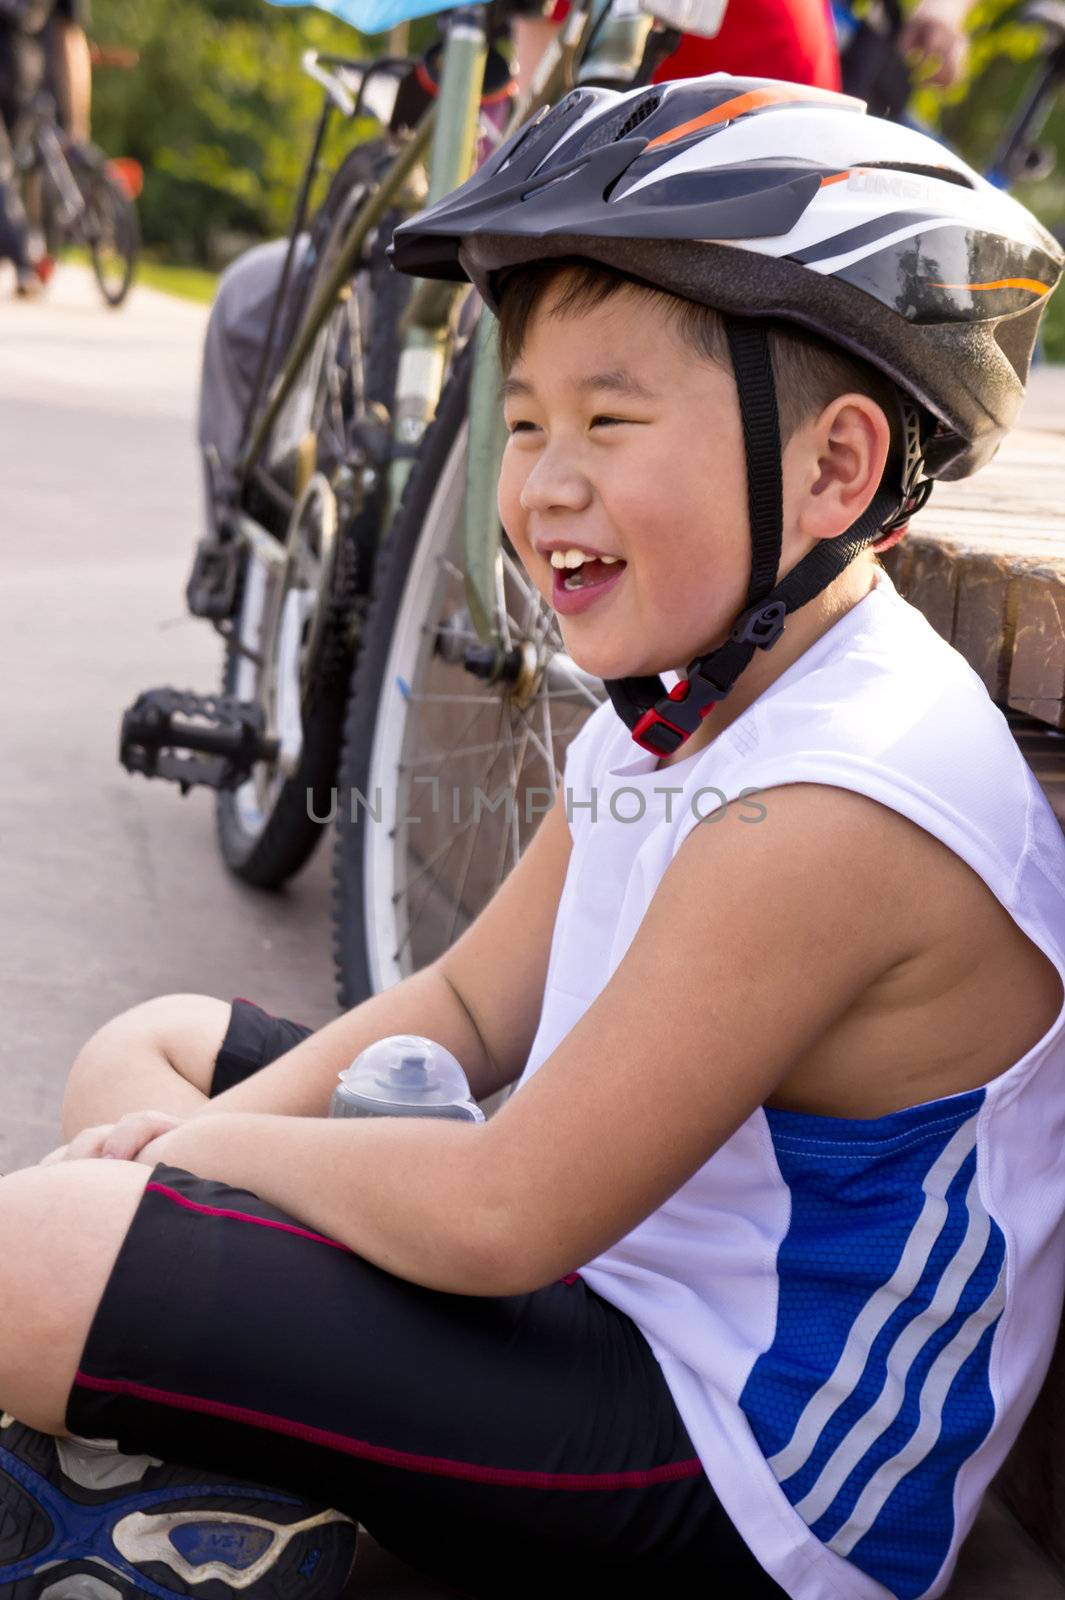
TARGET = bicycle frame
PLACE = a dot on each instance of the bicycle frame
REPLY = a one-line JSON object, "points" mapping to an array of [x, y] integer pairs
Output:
{"points": [[39, 135]]}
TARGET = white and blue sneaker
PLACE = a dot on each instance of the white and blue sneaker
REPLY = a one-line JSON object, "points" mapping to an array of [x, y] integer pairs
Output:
{"points": [[81, 1521]]}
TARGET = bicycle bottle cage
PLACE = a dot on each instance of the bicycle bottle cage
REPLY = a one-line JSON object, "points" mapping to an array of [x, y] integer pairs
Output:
{"points": [[222, 738]]}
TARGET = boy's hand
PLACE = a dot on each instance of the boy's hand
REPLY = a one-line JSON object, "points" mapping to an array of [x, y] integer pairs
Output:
{"points": [[119, 1141]]}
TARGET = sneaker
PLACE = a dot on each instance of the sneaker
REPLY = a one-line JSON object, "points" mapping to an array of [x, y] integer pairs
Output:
{"points": [[81, 1521]]}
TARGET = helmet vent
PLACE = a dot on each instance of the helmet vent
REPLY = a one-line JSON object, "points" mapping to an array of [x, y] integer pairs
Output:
{"points": [[641, 113], [548, 120], [944, 174], [610, 132]]}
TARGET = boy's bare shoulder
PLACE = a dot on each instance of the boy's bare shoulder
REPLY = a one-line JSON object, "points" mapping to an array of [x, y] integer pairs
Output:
{"points": [[957, 992]]}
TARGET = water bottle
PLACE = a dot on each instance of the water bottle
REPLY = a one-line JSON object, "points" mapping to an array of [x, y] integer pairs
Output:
{"points": [[405, 1075]]}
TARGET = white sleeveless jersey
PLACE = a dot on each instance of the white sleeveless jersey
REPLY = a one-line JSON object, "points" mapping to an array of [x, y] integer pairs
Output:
{"points": [[853, 1317]]}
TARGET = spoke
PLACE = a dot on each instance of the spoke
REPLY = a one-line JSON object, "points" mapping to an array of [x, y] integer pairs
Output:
{"points": [[425, 698], [444, 851], [459, 898], [453, 571], [515, 831], [449, 754], [501, 606], [579, 686], [549, 737], [524, 583], [428, 865], [535, 737], [509, 730]]}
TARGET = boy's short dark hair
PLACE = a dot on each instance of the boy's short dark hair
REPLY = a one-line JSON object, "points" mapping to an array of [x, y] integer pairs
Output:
{"points": [[809, 371]]}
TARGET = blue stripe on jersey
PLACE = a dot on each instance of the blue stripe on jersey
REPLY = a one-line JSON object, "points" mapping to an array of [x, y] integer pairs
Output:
{"points": [[875, 1388]]}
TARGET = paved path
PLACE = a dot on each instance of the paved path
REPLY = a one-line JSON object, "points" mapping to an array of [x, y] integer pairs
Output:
{"points": [[111, 889]]}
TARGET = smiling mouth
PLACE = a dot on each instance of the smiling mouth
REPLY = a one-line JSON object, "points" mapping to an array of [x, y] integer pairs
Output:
{"points": [[589, 573]]}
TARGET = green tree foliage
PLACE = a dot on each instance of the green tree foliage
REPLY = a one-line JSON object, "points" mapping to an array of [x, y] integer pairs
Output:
{"points": [[217, 111]]}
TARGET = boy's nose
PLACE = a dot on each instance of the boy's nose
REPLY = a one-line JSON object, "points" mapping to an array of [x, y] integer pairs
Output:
{"points": [[555, 482]]}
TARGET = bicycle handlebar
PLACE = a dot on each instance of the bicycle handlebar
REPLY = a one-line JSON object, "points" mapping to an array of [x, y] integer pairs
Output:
{"points": [[332, 85]]}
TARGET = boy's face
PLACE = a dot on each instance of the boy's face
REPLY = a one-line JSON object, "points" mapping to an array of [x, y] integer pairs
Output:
{"points": [[657, 479]]}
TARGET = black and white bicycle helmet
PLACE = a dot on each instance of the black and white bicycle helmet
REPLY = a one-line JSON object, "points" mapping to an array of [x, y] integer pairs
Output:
{"points": [[767, 199]]}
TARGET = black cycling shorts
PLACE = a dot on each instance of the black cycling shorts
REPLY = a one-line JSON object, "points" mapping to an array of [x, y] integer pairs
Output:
{"points": [[511, 1446]]}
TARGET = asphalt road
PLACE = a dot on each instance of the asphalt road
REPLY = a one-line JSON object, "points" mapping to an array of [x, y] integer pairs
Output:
{"points": [[111, 888]]}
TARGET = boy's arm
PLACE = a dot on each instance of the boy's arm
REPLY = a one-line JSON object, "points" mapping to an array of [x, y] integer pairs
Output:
{"points": [[481, 999], [756, 939]]}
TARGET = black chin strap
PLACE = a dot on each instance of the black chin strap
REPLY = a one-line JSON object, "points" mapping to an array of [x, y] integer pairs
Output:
{"points": [[661, 722]]}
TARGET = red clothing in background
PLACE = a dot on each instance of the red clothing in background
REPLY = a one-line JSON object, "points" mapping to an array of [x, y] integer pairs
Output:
{"points": [[790, 39]]}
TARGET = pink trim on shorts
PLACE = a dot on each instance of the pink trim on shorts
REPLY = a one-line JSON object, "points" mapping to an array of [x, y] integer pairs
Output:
{"points": [[243, 1216], [239, 1000], [440, 1466]]}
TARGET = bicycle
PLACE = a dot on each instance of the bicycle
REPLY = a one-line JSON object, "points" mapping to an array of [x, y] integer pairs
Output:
{"points": [[76, 196], [268, 580]]}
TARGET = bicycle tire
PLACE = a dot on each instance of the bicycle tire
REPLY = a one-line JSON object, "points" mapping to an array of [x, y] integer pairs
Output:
{"points": [[266, 854], [106, 198], [364, 898]]}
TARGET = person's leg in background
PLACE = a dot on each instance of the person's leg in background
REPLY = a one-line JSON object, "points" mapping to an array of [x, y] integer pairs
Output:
{"points": [[14, 228]]}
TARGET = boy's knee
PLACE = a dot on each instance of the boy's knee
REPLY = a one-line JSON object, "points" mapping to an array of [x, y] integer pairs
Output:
{"points": [[184, 1030]]}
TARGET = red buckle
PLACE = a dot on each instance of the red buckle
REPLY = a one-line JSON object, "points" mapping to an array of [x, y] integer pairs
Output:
{"points": [[654, 719]]}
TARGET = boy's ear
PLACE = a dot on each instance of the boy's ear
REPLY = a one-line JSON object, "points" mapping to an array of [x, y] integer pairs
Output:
{"points": [[844, 452]]}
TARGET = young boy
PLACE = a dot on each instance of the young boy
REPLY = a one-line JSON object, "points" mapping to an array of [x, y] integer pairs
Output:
{"points": [[789, 1082]]}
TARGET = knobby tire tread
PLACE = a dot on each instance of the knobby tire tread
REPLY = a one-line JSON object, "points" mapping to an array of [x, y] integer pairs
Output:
{"points": [[350, 933]]}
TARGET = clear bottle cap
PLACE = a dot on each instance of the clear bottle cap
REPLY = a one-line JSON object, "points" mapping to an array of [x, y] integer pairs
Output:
{"points": [[407, 1069]]}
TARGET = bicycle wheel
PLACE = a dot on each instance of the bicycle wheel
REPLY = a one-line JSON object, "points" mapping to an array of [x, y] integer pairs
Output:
{"points": [[289, 649], [444, 777], [112, 233]]}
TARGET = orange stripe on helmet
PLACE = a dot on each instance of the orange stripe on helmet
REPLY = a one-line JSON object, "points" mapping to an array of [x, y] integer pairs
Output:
{"points": [[837, 177], [1031, 284], [754, 100]]}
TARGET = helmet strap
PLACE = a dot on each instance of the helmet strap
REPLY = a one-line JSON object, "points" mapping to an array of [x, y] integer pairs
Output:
{"points": [[660, 722]]}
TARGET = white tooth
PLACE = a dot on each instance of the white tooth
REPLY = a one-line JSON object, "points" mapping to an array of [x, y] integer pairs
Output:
{"points": [[609, 560], [558, 559], [574, 558]]}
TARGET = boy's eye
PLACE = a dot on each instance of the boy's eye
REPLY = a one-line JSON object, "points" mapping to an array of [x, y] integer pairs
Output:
{"points": [[522, 425]]}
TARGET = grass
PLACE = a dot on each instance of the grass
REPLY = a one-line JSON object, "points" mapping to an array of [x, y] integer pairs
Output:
{"points": [[187, 283]]}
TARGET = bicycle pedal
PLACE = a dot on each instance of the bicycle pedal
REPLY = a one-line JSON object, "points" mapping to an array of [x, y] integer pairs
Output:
{"points": [[190, 739], [211, 590]]}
